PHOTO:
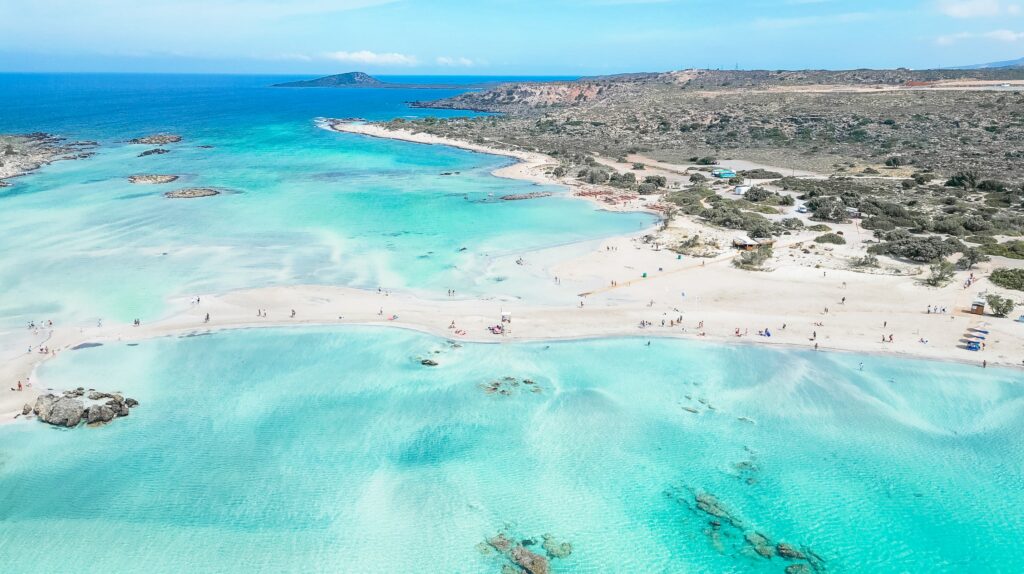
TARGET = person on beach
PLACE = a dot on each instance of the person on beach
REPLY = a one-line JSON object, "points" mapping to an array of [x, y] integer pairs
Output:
{"points": [[293, 313], [19, 385], [207, 319]]}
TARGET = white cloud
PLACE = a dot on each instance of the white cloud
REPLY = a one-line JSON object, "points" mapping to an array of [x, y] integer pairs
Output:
{"points": [[455, 62], [1008, 36], [373, 58], [977, 8]]}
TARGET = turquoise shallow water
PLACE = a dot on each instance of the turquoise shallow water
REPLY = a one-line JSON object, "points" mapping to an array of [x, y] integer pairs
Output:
{"points": [[311, 206], [335, 451]]}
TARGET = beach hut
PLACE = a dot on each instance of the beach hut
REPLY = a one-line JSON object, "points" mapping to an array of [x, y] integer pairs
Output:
{"points": [[978, 307], [744, 243], [722, 173]]}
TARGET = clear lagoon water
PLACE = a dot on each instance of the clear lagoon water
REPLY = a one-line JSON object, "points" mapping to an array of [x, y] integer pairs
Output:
{"points": [[334, 450], [309, 206]]}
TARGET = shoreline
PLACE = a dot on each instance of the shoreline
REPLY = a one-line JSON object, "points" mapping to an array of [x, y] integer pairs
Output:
{"points": [[530, 166], [648, 285]]}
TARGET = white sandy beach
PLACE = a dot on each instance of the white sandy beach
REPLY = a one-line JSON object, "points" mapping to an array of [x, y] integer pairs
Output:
{"points": [[790, 301]]}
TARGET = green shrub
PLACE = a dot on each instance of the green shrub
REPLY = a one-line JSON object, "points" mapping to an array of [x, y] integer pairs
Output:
{"points": [[964, 179], [1010, 249], [656, 180], [1000, 306], [1008, 278], [819, 227], [833, 238], [760, 174], [923, 249], [941, 273], [865, 261], [754, 260]]}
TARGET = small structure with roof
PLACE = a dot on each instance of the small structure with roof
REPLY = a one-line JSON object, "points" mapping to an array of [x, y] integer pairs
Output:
{"points": [[978, 306], [745, 243], [741, 189]]}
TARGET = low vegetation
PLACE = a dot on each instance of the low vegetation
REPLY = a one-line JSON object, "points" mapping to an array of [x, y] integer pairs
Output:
{"points": [[1008, 278]]}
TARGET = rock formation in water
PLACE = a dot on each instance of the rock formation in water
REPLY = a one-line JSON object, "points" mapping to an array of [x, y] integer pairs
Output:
{"points": [[152, 178], [506, 386], [155, 151], [519, 559], [69, 408], [157, 139], [192, 192], [522, 196], [729, 534]]}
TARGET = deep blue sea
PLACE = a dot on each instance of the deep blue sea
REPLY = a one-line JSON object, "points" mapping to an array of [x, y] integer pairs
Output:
{"points": [[334, 450]]}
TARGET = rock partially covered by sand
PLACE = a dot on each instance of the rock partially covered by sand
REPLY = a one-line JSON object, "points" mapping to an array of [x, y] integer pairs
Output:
{"points": [[152, 178], [157, 139], [192, 192]]}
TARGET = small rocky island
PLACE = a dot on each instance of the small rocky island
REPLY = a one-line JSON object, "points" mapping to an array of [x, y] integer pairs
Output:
{"points": [[192, 193], [157, 139], [72, 407], [152, 178]]}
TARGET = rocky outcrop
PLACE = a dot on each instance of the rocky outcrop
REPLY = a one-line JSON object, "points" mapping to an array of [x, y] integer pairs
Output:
{"points": [[21, 154], [555, 549], [65, 411], [507, 386], [152, 178], [69, 409], [520, 559], [531, 562], [192, 192], [157, 139], [522, 196], [729, 534], [428, 363], [155, 151]]}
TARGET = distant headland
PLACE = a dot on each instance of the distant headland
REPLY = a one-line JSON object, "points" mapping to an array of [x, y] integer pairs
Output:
{"points": [[363, 80]]}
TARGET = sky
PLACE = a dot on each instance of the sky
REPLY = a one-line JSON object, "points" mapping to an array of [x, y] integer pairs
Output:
{"points": [[501, 37]]}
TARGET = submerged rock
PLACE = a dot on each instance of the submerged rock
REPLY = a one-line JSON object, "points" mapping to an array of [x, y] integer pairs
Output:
{"points": [[555, 549], [531, 562], [157, 139], [798, 569], [152, 178], [788, 552], [428, 363], [500, 543], [192, 192], [760, 543], [156, 151]]}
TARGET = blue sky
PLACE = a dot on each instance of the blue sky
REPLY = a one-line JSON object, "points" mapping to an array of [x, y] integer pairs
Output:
{"points": [[501, 37]]}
